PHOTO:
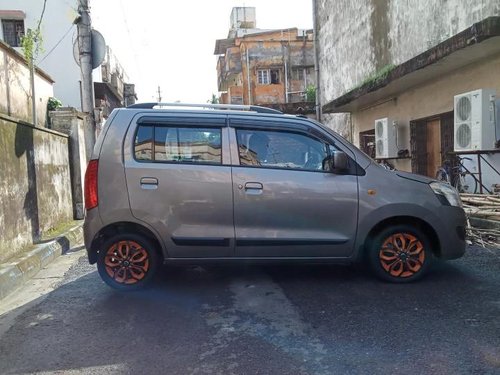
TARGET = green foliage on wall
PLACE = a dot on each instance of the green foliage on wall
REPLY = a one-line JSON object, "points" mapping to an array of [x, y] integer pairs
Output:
{"points": [[311, 93], [53, 104], [214, 100], [378, 76], [32, 45]]}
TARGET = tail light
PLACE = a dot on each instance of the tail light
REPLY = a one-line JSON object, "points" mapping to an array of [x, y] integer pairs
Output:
{"points": [[91, 198]]}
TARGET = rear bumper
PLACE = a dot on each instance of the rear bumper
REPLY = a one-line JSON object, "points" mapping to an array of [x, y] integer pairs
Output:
{"points": [[91, 227], [450, 229]]}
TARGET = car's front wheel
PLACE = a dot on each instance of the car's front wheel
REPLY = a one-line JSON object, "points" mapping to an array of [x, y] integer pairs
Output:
{"points": [[400, 254], [127, 261]]}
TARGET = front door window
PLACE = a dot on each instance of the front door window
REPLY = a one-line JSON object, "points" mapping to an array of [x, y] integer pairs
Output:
{"points": [[281, 149]]}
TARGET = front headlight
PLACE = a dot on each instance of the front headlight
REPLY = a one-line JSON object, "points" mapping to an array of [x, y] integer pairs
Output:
{"points": [[446, 193]]}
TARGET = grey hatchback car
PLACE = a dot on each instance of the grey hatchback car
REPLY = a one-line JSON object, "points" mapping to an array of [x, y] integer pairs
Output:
{"points": [[229, 183]]}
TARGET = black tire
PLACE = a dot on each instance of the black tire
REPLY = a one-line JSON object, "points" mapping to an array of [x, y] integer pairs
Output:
{"points": [[400, 254], [127, 261]]}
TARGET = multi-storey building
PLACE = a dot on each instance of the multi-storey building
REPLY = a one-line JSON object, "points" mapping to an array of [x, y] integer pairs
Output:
{"points": [[265, 67]]}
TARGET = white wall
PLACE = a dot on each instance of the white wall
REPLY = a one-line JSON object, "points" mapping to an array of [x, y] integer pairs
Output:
{"points": [[15, 88], [59, 64]]}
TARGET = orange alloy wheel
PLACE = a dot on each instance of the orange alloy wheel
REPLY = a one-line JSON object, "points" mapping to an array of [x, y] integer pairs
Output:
{"points": [[402, 255], [126, 262]]}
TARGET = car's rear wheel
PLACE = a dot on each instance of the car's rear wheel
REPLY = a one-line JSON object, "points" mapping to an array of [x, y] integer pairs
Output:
{"points": [[400, 254], [127, 261]]}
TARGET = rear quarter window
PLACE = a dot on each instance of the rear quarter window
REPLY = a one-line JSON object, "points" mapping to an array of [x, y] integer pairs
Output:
{"points": [[143, 146]]}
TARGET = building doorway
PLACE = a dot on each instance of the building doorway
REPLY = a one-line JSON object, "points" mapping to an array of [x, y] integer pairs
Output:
{"points": [[431, 141], [433, 146]]}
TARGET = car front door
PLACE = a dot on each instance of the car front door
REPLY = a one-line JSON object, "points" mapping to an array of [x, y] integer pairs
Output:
{"points": [[285, 203]]}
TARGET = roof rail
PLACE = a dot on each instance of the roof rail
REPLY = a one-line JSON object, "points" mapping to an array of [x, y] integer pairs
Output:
{"points": [[237, 107]]}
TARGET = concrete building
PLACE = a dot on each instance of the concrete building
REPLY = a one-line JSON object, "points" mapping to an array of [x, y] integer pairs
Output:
{"points": [[15, 86], [265, 67], [59, 34], [406, 61], [57, 30], [110, 88]]}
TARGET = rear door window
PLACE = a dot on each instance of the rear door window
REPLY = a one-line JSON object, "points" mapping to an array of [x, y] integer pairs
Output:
{"points": [[169, 144]]}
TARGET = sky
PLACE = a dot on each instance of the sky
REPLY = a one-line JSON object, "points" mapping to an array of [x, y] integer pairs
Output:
{"points": [[171, 43]]}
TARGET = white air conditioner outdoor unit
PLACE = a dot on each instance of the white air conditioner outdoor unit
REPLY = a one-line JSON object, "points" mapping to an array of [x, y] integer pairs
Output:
{"points": [[474, 126], [386, 138]]}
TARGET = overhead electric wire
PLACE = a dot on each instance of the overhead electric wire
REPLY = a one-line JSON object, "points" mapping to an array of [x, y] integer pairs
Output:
{"points": [[132, 47], [58, 42], [41, 15]]}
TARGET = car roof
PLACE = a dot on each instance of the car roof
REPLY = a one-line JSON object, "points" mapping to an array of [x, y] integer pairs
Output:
{"points": [[231, 107]]}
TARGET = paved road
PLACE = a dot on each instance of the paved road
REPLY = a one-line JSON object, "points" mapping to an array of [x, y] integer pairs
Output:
{"points": [[264, 320]]}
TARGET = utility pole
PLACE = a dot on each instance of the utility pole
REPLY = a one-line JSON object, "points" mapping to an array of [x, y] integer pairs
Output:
{"points": [[319, 112], [159, 95], [249, 83], [33, 96], [31, 51], [87, 87]]}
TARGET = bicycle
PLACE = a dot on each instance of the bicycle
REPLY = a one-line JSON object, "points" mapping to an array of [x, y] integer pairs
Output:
{"points": [[465, 181], [458, 176]]}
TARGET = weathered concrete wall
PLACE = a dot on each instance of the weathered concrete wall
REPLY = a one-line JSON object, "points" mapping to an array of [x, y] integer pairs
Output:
{"points": [[416, 26], [35, 191], [71, 122], [340, 122], [53, 179], [233, 60], [358, 38], [15, 87], [344, 45], [235, 94]]}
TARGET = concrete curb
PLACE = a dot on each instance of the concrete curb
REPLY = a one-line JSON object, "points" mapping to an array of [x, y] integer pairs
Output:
{"points": [[19, 270]]}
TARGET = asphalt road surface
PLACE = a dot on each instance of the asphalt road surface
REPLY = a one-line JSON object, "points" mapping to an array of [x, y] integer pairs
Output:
{"points": [[263, 320]]}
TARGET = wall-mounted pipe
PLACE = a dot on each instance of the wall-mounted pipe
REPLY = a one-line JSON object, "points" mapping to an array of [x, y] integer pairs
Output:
{"points": [[316, 62], [286, 74], [249, 83]]}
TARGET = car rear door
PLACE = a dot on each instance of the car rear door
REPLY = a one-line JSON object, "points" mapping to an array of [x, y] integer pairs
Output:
{"points": [[285, 204], [179, 181]]}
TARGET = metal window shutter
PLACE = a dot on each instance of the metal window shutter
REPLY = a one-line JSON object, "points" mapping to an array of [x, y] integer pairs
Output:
{"points": [[418, 146]]}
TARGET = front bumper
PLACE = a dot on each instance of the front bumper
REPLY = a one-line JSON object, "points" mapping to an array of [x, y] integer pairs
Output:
{"points": [[450, 227]]}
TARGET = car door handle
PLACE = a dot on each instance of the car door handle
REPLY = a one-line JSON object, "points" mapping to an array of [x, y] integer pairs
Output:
{"points": [[253, 186], [149, 183]]}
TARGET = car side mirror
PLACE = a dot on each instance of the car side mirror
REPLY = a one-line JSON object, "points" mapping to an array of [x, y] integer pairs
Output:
{"points": [[338, 162]]}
